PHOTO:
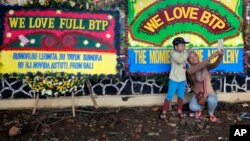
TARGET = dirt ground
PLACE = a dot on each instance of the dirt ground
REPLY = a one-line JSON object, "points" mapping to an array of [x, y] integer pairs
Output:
{"points": [[119, 124]]}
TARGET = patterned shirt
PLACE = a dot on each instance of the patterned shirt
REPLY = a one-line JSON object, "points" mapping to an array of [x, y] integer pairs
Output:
{"points": [[178, 66]]}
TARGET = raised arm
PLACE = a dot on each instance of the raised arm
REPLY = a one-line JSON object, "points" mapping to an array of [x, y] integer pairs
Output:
{"points": [[194, 68], [179, 58], [216, 63]]}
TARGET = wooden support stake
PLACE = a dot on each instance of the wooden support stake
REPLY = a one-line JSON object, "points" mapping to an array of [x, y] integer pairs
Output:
{"points": [[73, 104], [35, 104], [88, 84]]}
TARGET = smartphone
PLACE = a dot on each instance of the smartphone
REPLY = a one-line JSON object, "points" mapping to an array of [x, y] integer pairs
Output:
{"points": [[220, 44]]}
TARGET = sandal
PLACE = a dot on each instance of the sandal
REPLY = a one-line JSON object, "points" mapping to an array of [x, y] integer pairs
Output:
{"points": [[197, 114], [214, 119], [163, 116]]}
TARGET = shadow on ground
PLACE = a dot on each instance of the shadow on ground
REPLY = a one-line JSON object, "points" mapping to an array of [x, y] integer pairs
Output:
{"points": [[118, 124]]}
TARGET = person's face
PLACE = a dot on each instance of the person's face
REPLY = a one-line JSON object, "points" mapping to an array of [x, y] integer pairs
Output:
{"points": [[193, 58], [180, 47]]}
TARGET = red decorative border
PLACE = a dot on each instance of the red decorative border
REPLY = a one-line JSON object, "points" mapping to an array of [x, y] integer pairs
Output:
{"points": [[110, 46]]}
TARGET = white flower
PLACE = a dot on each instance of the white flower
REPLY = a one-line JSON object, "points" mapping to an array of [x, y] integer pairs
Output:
{"points": [[63, 92], [49, 92], [32, 41], [11, 12], [43, 91], [87, 5], [60, 83], [8, 35], [72, 3], [22, 44], [110, 17], [85, 42], [50, 82], [42, 2], [108, 35], [58, 12], [37, 78], [98, 45], [30, 85], [44, 81]]}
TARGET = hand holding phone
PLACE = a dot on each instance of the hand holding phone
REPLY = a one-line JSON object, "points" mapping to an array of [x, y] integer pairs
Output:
{"points": [[220, 45], [213, 55]]}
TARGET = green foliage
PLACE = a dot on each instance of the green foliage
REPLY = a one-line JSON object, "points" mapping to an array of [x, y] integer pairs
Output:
{"points": [[62, 4], [190, 45]]}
